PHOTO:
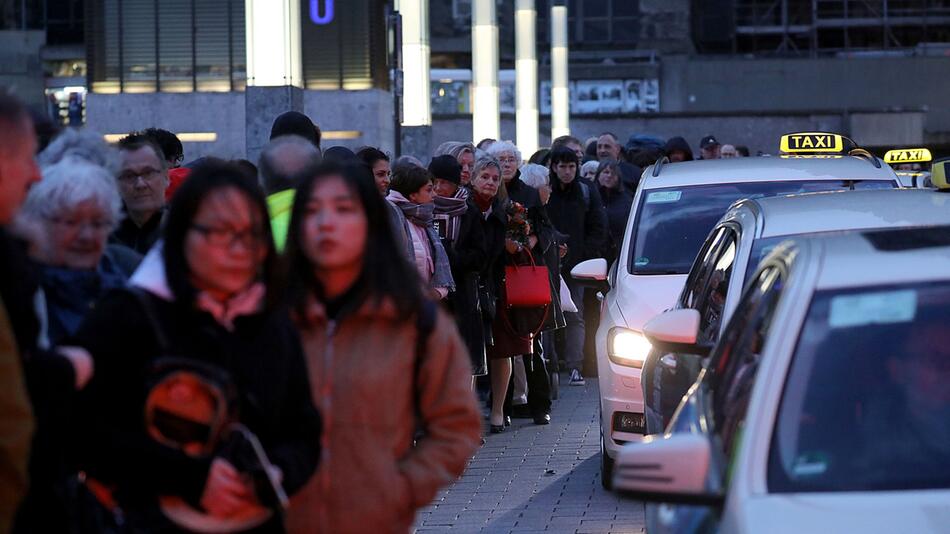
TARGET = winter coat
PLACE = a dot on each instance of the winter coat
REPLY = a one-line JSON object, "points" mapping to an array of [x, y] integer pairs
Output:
{"points": [[139, 239], [16, 425], [630, 176], [617, 203], [467, 256], [262, 356], [369, 386], [579, 214], [69, 294]]}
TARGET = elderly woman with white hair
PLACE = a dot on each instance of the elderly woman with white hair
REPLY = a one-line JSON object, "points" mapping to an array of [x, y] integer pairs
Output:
{"points": [[75, 207]]}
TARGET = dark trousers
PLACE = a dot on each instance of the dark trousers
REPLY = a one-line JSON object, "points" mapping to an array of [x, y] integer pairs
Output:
{"points": [[539, 389]]}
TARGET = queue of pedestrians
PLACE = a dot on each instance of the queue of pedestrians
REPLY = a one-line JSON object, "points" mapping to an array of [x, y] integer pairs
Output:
{"points": [[295, 344]]}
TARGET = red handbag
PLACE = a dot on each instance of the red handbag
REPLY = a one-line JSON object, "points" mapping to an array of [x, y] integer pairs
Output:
{"points": [[527, 286]]}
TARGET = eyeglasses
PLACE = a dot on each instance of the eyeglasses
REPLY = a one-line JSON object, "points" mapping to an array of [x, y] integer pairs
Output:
{"points": [[226, 237], [131, 177], [73, 225], [507, 160]]}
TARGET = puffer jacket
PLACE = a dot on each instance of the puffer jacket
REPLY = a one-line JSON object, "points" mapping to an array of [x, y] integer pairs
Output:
{"points": [[362, 365]]}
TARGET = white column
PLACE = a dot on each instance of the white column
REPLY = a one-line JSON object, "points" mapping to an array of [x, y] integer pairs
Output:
{"points": [[416, 103], [273, 43], [526, 76], [560, 96], [486, 113]]}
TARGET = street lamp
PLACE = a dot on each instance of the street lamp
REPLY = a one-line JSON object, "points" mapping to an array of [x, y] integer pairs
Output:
{"points": [[560, 96], [486, 119], [273, 43], [526, 76], [415, 62]]}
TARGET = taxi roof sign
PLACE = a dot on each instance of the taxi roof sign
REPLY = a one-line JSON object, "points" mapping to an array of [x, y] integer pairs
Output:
{"points": [[908, 155], [812, 143]]}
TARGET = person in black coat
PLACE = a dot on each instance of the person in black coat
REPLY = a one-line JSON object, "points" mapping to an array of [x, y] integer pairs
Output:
{"points": [[576, 210], [459, 224], [617, 203], [200, 305]]}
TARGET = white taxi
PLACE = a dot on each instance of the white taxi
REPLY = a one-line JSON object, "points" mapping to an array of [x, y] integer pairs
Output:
{"points": [[911, 166], [825, 405], [675, 207], [746, 234]]}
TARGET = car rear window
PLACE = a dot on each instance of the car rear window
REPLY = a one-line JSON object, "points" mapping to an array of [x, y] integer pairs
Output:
{"points": [[672, 223]]}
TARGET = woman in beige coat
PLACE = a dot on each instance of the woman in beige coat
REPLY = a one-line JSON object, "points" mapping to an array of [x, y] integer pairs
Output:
{"points": [[377, 383]]}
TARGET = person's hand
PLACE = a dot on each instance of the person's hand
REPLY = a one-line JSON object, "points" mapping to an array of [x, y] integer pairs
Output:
{"points": [[83, 366], [562, 251], [226, 492], [512, 246], [532, 242]]}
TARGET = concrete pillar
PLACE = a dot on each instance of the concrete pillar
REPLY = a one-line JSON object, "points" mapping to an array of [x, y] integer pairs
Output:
{"points": [[486, 112], [416, 96], [274, 68], [526, 76], [560, 95]]}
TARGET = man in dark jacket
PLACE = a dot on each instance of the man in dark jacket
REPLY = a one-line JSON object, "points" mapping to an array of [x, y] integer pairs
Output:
{"points": [[142, 184], [608, 148], [577, 210], [37, 384], [460, 227]]}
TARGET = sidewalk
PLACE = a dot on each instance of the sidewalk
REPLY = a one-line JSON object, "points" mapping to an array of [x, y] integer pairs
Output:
{"points": [[537, 479]]}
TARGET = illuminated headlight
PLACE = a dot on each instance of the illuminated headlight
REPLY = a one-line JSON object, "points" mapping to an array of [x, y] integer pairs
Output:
{"points": [[626, 347]]}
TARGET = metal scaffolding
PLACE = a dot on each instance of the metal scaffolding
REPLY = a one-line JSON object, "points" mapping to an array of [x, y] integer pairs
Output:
{"points": [[828, 27]]}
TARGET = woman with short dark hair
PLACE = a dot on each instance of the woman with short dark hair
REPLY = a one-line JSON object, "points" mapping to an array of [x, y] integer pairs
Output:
{"points": [[192, 358], [387, 366], [617, 202]]}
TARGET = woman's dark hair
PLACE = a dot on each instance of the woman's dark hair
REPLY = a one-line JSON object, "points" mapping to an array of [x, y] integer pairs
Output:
{"points": [[211, 175], [370, 155], [409, 179], [614, 168], [540, 157], [386, 273]]}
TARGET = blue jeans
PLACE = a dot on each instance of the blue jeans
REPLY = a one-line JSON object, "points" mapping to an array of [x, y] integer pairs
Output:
{"points": [[574, 333]]}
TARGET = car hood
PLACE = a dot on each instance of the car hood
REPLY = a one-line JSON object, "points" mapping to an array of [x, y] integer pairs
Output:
{"points": [[920, 512], [641, 298]]}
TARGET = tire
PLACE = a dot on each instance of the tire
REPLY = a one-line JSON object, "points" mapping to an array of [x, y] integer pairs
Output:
{"points": [[606, 466]]}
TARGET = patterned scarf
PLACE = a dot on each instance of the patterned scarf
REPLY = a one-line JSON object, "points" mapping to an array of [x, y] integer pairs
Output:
{"points": [[448, 215]]}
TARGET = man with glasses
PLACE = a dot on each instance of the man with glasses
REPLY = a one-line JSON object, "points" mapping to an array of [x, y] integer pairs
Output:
{"points": [[142, 184]]}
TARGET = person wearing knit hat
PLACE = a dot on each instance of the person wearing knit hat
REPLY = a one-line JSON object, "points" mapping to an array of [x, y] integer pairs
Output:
{"points": [[459, 224]]}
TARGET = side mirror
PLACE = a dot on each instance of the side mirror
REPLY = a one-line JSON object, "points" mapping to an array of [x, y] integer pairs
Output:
{"points": [[676, 331], [590, 271], [673, 469]]}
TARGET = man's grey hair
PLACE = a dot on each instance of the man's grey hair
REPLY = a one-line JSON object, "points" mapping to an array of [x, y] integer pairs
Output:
{"points": [[454, 149], [83, 144], [70, 182], [482, 163], [283, 161], [535, 175], [500, 147]]}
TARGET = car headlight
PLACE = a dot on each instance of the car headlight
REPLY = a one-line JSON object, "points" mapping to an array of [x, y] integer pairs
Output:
{"points": [[628, 348]]}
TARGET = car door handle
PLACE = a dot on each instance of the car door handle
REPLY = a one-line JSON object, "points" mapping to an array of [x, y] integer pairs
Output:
{"points": [[669, 362]]}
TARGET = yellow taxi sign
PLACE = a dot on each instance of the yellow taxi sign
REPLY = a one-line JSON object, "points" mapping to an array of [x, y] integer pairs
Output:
{"points": [[908, 155], [812, 143], [938, 174]]}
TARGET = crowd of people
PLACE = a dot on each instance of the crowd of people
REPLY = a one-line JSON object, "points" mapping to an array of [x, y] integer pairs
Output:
{"points": [[294, 344]]}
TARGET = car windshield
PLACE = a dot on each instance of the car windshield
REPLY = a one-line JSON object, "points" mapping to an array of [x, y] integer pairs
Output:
{"points": [[866, 405], [672, 222]]}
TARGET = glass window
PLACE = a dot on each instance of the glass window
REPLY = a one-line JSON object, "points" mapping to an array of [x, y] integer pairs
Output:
{"points": [[597, 30], [673, 222], [866, 404], [595, 8], [625, 30], [736, 358], [699, 272], [713, 299]]}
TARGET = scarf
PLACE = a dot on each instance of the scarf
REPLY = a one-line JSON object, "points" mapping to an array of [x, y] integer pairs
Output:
{"points": [[442, 270], [448, 216], [418, 214], [71, 293]]}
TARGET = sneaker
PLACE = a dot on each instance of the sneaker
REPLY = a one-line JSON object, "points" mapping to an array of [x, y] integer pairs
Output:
{"points": [[576, 378]]}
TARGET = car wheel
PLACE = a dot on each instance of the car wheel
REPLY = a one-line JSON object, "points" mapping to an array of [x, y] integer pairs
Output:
{"points": [[606, 466]]}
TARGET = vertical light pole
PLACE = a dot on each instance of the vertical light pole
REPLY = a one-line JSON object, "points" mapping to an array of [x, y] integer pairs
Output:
{"points": [[415, 62], [274, 67], [526, 76], [486, 118], [560, 96]]}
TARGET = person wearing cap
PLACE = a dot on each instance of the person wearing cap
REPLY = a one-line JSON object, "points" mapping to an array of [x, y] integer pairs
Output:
{"points": [[709, 148], [458, 221], [609, 149]]}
